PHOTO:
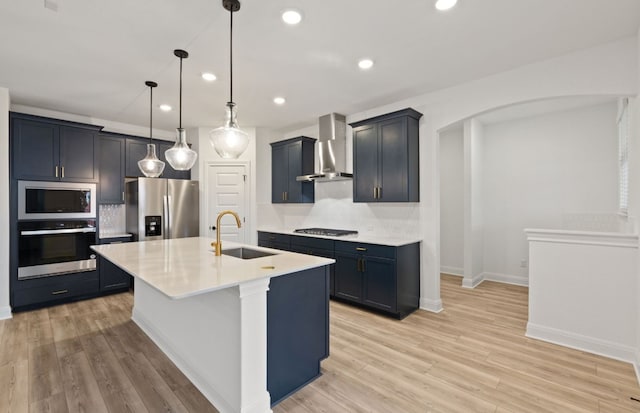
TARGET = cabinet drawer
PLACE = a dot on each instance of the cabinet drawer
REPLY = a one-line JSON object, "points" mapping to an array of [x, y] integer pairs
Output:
{"points": [[311, 242], [55, 291], [274, 237], [372, 250]]}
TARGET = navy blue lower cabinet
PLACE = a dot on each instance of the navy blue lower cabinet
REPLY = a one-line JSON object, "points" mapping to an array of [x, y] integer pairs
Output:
{"points": [[348, 278], [112, 277], [379, 277], [297, 330], [46, 291], [379, 284], [274, 240]]}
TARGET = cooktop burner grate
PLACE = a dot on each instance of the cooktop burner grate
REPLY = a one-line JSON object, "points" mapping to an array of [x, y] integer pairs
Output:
{"points": [[326, 232]]}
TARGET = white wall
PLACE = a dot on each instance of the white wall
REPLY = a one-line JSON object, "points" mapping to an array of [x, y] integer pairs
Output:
{"points": [[452, 202], [610, 69], [5, 309], [582, 292], [545, 172], [634, 194], [473, 203]]}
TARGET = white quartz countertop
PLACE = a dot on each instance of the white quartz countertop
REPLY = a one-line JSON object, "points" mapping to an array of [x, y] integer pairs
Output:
{"points": [[185, 267], [394, 241]]}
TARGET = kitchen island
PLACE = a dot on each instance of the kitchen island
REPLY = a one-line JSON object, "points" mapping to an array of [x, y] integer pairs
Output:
{"points": [[246, 332]]}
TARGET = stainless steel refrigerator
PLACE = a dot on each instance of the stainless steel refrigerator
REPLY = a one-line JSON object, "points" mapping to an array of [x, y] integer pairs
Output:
{"points": [[159, 208]]}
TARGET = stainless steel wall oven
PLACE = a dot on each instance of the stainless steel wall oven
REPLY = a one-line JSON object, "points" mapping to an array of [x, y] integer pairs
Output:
{"points": [[48, 248], [56, 227]]}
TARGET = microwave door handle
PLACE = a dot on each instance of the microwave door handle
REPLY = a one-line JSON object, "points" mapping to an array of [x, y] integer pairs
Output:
{"points": [[57, 231]]}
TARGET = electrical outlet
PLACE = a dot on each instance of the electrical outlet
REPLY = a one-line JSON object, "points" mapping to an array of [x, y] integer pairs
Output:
{"points": [[523, 263]]}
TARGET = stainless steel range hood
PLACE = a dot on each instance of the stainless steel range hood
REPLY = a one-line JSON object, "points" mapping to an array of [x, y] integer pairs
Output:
{"points": [[332, 147]]}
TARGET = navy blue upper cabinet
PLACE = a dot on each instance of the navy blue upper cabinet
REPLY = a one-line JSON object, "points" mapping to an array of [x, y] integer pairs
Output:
{"points": [[386, 158], [53, 150], [111, 170], [136, 149], [289, 159]]}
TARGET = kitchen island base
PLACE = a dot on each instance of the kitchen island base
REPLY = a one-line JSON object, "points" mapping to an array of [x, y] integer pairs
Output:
{"points": [[219, 339]]}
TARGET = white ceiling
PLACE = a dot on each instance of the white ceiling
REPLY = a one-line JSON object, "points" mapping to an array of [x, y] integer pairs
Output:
{"points": [[91, 57]]}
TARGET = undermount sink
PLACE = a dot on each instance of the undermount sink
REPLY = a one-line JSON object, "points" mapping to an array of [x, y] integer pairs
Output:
{"points": [[246, 253]]}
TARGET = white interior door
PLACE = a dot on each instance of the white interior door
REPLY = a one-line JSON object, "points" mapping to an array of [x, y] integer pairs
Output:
{"points": [[227, 190]]}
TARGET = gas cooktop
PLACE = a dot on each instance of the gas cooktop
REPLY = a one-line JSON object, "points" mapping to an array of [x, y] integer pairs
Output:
{"points": [[326, 232]]}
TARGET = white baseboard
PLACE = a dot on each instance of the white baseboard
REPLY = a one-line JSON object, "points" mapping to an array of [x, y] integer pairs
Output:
{"points": [[473, 282], [452, 270], [585, 343], [5, 313], [506, 278], [163, 343], [435, 306]]}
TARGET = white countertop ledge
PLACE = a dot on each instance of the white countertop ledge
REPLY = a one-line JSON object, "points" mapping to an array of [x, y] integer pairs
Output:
{"points": [[563, 236], [394, 241], [187, 267]]}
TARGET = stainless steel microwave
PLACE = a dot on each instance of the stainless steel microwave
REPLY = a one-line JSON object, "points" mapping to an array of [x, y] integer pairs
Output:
{"points": [[56, 200]]}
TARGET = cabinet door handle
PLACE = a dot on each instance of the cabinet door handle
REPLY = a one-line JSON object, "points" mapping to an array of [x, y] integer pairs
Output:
{"points": [[123, 195], [364, 265], [286, 196], [56, 171], [379, 192], [360, 249], [359, 266], [59, 292], [62, 171], [375, 192]]}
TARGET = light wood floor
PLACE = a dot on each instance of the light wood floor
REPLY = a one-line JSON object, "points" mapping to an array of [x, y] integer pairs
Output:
{"points": [[472, 357]]}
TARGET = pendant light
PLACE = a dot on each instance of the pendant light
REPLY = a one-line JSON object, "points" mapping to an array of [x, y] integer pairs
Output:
{"points": [[180, 156], [150, 165], [228, 140]]}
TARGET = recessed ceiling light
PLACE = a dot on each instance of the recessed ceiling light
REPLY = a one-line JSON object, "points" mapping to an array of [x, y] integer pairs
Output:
{"points": [[209, 77], [291, 17], [365, 64], [165, 108], [279, 100], [445, 4]]}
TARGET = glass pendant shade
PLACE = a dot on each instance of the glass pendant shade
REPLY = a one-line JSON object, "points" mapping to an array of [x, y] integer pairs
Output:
{"points": [[180, 156], [228, 140], [150, 165]]}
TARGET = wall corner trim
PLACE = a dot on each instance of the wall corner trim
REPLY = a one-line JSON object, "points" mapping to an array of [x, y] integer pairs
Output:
{"points": [[434, 306], [5, 313], [473, 282]]}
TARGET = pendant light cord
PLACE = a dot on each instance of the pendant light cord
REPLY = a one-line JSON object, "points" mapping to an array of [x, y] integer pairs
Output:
{"points": [[150, 114], [180, 116], [231, 55]]}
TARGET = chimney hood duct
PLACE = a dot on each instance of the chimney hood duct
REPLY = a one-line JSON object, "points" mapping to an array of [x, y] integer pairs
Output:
{"points": [[332, 147]]}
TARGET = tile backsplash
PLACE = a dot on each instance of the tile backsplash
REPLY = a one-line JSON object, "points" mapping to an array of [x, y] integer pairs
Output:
{"points": [[112, 219], [334, 208]]}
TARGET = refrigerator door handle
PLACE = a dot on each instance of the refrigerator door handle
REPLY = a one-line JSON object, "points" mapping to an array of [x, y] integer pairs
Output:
{"points": [[166, 199]]}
